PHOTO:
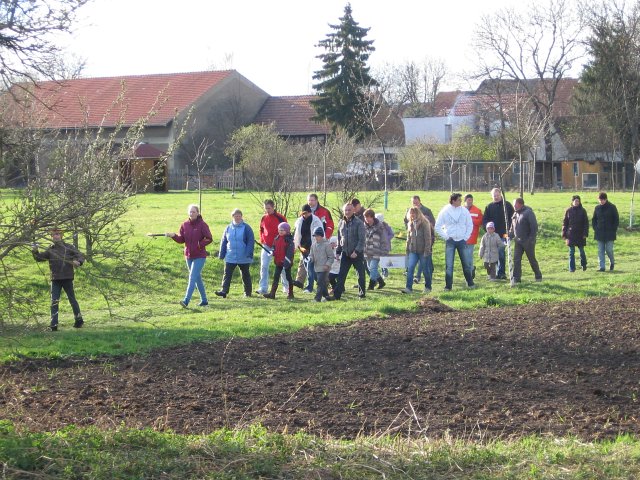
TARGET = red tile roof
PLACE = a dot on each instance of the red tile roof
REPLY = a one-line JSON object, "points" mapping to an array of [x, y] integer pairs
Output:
{"points": [[94, 102], [144, 150], [291, 116]]}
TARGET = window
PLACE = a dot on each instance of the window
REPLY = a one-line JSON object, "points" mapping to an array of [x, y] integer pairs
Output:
{"points": [[590, 180], [575, 169]]}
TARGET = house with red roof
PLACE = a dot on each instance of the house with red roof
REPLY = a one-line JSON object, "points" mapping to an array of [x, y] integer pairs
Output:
{"points": [[215, 102]]}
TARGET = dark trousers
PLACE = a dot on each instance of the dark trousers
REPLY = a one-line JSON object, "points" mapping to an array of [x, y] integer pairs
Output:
{"points": [[56, 289], [323, 280], [278, 272], [228, 274], [528, 248], [346, 262]]}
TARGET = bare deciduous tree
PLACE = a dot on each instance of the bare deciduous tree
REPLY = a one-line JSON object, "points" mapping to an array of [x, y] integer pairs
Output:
{"points": [[27, 28], [535, 49]]}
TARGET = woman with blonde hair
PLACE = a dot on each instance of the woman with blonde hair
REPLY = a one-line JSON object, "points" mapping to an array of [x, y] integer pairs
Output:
{"points": [[418, 248]]}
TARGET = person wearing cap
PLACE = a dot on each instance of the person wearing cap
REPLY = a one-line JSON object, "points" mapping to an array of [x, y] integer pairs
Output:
{"points": [[351, 241], [63, 259], [194, 233], [283, 252], [236, 249], [376, 246], [321, 257], [575, 230], [268, 231], [490, 247], [524, 231], [605, 222], [476, 218], [304, 227]]}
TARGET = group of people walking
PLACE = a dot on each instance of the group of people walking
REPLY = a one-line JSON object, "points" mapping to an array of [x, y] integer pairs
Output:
{"points": [[361, 239], [326, 254]]}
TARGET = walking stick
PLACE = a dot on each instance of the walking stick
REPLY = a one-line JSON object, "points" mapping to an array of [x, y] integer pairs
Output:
{"points": [[263, 247]]}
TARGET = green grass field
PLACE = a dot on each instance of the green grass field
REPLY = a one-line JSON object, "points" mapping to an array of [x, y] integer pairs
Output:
{"points": [[148, 318], [145, 318]]}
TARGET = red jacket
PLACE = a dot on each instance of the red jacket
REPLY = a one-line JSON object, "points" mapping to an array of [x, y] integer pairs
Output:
{"points": [[283, 249], [325, 217], [195, 235], [269, 227], [476, 218]]}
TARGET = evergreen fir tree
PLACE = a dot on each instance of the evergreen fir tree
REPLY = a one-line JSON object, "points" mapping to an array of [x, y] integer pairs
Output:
{"points": [[344, 80]]}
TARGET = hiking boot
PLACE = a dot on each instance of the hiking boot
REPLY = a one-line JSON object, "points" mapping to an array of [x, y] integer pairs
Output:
{"points": [[220, 293], [203, 304], [54, 328], [78, 323], [381, 283], [298, 284], [183, 304], [372, 284]]}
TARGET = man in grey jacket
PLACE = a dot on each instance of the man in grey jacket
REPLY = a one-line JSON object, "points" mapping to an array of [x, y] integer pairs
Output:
{"points": [[524, 229], [351, 242]]}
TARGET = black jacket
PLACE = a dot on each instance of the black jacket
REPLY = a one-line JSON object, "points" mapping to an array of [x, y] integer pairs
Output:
{"points": [[494, 213], [605, 222], [60, 256], [575, 226]]}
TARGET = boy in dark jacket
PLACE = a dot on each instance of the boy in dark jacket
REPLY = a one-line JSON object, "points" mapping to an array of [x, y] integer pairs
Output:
{"points": [[62, 258], [283, 251]]}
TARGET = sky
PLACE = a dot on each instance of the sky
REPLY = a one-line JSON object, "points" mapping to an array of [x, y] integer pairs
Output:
{"points": [[272, 43]]}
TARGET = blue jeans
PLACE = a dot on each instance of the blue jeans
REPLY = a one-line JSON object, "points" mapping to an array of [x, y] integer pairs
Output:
{"points": [[469, 252], [311, 276], [449, 256], [373, 263], [605, 247], [501, 263], [425, 262], [195, 266], [265, 262], [572, 257]]}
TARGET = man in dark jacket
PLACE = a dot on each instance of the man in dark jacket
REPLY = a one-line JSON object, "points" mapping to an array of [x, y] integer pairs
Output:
{"points": [[605, 223], [500, 213], [524, 230], [62, 258], [351, 243]]}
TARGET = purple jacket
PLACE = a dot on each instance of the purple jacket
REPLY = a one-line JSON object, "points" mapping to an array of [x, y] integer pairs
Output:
{"points": [[196, 236]]}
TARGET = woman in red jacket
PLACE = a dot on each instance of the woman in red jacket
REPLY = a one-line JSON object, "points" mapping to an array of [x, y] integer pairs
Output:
{"points": [[195, 235]]}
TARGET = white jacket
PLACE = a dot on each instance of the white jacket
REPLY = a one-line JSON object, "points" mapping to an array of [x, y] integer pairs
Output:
{"points": [[454, 222], [297, 235]]}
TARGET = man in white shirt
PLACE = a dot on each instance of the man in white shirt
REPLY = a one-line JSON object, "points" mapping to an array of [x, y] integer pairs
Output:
{"points": [[454, 225]]}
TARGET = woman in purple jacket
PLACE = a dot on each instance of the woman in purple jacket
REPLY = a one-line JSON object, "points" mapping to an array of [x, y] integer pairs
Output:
{"points": [[195, 235]]}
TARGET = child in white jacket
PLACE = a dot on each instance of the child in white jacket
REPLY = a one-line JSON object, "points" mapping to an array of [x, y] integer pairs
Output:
{"points": [[490, 246]]}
